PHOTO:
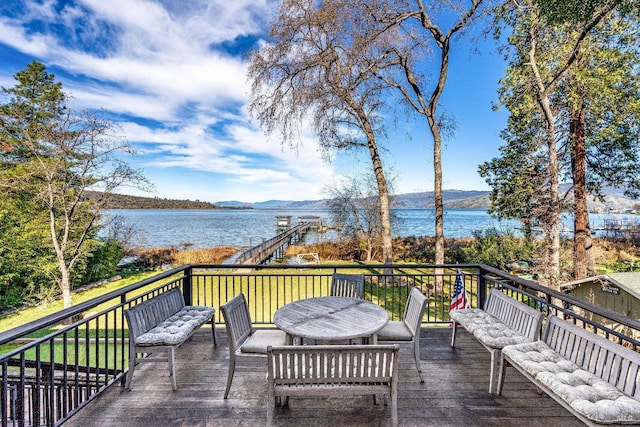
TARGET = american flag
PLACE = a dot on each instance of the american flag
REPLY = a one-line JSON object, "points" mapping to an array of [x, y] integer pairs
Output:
{"points": [[459, 299]]}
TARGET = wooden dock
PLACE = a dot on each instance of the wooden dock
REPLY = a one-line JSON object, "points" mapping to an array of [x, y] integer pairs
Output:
{"points": [[622, 229], [274, 247]]}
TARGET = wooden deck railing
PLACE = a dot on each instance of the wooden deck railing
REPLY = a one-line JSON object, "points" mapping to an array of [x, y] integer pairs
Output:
{"points": [[52, 367]]}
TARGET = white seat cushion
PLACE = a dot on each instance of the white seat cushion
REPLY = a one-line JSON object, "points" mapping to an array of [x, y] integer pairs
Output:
{"points": [[473, 318], [177, 328], [536, 357], [486, 328], [395, 331], [261, 339], [498, 335], [585, 392]]}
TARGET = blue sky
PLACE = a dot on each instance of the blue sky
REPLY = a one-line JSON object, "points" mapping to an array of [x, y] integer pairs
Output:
{"points": [[172, 74]]}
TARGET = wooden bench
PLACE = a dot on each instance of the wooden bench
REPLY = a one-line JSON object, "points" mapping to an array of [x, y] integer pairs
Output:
{"points": [[504, 321], [594, 378], [332, 370], [160, 325]]}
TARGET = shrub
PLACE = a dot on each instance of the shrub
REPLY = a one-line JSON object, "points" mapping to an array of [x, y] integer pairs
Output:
{"points": [[103, 261], [215, 255], [501, 250]]}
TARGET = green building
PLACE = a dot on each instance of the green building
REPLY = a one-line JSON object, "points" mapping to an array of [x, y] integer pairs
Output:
{"points": [[619, 292]]}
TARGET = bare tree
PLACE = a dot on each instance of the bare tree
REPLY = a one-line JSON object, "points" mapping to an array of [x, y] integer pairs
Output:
{"points": [[354, 204], [79, 153], [421, 34], [320, 65]]}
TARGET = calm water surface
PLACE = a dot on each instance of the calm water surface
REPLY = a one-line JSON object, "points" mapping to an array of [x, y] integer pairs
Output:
{"points": [[247, 227]]}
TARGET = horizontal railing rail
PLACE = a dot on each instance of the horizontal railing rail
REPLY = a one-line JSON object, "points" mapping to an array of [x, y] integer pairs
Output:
{"points": [[615, 326], [54, 366]]}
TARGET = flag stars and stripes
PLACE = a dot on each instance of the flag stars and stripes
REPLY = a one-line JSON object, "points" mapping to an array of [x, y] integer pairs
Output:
{"points": [[459, 299]]}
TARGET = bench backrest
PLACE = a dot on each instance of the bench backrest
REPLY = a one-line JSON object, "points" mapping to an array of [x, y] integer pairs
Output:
{"points": [[515, 314], [614, 363], [146, 315], [333, 365]]}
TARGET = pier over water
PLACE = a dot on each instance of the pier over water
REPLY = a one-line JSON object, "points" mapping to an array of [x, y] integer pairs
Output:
{"points": [[274, 248]]}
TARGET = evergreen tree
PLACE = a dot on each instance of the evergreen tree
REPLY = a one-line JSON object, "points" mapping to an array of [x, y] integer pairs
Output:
{"points": [[52, 156], [572, 91]]}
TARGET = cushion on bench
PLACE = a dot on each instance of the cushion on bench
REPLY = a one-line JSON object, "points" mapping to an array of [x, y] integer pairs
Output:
{"points": [[472, 318], [486, 328], [177, 328], [585, 392], [498, 335]]}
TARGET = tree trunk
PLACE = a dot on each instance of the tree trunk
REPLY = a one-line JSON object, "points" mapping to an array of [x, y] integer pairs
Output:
{"points": [[583, 263], [553, 217], [437, 160], [59, 246], [65, 287], [385, 211], [383, 190], [437, 194]]}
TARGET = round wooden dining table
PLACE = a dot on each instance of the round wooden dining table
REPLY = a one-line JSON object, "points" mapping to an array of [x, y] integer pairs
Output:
{"points": [[331, 319]]}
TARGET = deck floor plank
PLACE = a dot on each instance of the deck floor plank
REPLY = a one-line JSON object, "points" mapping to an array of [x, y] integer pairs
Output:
{"points": [[455, 393]]}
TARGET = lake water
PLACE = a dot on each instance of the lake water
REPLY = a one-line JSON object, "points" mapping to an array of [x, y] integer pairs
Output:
{"points": [[201, 228]]}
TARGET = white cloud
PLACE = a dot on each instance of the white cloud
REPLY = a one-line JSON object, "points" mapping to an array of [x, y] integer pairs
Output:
{"points": [[159, 64], [14, 35]]}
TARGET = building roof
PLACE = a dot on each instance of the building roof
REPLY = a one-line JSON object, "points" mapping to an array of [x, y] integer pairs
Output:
{"points": [[629, 281]]}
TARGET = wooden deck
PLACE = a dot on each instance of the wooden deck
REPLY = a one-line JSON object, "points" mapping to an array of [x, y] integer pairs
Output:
{"points": [[455, 393]]}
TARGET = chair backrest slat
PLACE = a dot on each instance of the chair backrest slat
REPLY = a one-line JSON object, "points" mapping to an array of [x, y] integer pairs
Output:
{"points": [[414, 310], [347, 285], [237, 320]]}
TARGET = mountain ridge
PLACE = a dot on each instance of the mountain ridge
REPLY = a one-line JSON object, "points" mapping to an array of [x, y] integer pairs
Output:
{"points": [[452, 199]]}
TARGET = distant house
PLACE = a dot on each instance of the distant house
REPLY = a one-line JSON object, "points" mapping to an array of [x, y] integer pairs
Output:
{"points": [[619, 292]]}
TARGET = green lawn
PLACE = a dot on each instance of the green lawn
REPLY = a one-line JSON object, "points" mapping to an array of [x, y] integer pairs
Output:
{"points": [[265, 294], [17, 318], [264, 298]]}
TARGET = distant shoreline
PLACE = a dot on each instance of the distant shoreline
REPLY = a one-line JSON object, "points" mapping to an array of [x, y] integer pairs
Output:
{"points": [[122, 201], [110, 208], [453, 199]]}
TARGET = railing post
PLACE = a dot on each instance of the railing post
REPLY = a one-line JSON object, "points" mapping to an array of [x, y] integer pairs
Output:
{"points": [[482, 287], [187, 286]]}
